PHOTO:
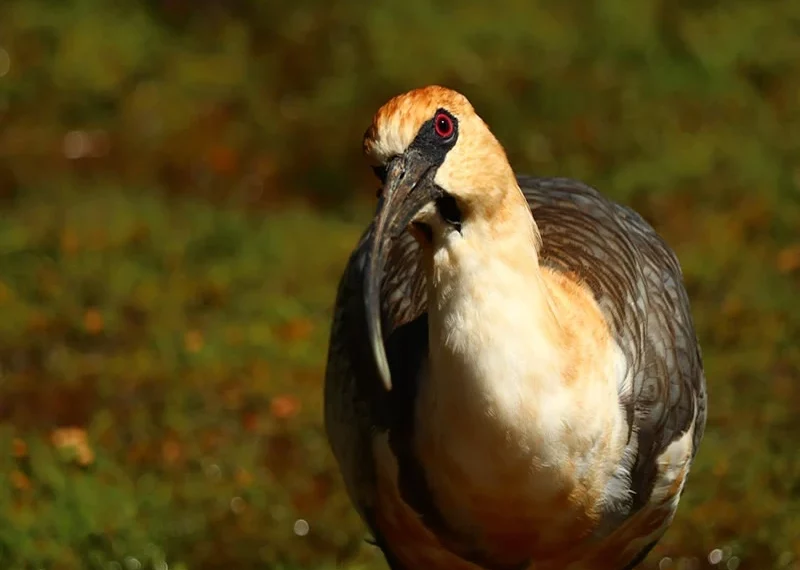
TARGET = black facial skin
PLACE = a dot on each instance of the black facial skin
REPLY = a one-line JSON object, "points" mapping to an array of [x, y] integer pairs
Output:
{"points": [[408, 186], [380, 173], [448, 210], [430, 143]]}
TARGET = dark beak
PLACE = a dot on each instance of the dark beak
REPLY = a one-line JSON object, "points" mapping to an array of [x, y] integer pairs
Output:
{"points": [[408, 188]]}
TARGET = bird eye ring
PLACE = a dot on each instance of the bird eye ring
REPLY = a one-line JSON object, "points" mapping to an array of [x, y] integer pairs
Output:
{"points": [[443, 125]]}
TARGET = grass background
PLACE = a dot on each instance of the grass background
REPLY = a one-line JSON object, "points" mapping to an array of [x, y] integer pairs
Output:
{"points": [[181, 183]]}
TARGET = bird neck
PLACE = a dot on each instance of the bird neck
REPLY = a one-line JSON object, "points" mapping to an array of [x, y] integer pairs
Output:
{"points": [[492, 318]]}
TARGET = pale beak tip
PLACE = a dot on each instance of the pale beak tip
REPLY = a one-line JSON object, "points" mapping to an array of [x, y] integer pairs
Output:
{"points": [[383, 370]]}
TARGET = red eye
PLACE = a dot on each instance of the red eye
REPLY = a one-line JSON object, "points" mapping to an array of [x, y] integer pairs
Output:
{"points": [[443, 125]]}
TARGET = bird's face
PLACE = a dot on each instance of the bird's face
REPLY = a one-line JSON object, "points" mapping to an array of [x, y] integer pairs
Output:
{"points": [[444, 177]]}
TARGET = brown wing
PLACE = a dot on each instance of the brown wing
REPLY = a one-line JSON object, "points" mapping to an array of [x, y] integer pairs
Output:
{"points": [[637, 281]]}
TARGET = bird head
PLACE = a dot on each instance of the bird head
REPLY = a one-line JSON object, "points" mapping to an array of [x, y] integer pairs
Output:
{"points": [[444, 177]]}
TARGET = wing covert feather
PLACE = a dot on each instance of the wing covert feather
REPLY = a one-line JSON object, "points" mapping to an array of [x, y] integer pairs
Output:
{"points": [[637, 281]]}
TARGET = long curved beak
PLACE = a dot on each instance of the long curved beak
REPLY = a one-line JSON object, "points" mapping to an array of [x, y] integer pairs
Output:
{"points": [[408, 188]]}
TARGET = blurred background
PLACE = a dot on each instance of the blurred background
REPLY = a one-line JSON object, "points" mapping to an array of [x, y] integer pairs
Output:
{"points": [[181, 182]]}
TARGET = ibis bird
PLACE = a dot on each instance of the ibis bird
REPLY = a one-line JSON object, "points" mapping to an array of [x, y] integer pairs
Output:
{"points": [[513, 378]]}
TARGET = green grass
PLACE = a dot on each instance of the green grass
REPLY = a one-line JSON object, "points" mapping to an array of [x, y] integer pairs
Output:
{"points": [[189, 342], [168, 334]]}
